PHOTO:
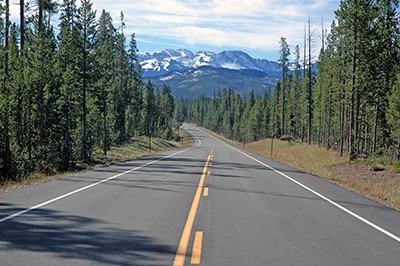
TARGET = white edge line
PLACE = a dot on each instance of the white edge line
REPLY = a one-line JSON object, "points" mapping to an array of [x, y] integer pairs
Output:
{"points": [[9, 217], [380, 229]]}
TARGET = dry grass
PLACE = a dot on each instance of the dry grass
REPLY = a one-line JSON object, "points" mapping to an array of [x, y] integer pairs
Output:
{"points": [[309, 158], [136, 147], [382, 186]]}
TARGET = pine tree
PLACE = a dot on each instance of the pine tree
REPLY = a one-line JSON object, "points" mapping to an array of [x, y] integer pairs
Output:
{"points": [[148, 111], [121, 89], [5, 150], [87, 27], [22, 24], [133, 119], [283, 63], [275, 120], [384, 57], [309, 84], [68, 101], [393, 115], [166, 112], [104, 54]]}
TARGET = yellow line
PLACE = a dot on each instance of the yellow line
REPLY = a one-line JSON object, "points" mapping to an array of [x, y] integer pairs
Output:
{"points": [[209, 173], [183, 243], [198, 243], [205, 194]]}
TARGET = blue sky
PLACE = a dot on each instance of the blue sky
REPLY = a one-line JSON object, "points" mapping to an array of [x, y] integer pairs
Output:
{"points": [[254, 26]]}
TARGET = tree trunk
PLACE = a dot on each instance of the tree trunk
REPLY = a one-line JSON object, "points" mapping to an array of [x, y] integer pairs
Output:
{"points": [[320, 117], [84, 111], [398, 152], [283, 98], [22, 24], [40, 22], [305, 52], [358, 122], [6, 91], [354, 93], [375, 128], [84, 118], [328, 139], [309, 82], [105, 147]]}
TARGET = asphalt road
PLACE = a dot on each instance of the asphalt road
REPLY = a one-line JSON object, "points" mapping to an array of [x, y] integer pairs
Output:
{"points": [[209, 204]]}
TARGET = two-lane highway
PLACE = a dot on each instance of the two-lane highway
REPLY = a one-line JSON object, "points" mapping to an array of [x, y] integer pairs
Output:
{"points": [[210, 204]]}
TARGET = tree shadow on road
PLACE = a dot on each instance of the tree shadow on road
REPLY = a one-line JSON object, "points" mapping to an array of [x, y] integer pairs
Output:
{"points": [[79, 238]]}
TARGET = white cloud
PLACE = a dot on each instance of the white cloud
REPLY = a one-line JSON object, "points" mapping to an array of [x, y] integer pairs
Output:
{"points": [[252, 24]]}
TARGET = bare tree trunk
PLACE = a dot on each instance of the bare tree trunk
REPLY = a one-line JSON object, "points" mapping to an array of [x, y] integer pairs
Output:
{"points": [[343, 118], [354, 93], [398, 152], [305, 52], [22, 24], [40, 23], [375, 128], [357, 121], [329, 119], [283, 98], [84, 89], [84, 117], [320, 117], [105, 146]]}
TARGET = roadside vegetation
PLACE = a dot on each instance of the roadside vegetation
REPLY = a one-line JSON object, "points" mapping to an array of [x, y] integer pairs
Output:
{"points": [[134, 148], [71, 91], [377, 178], [348, 101], [347, 104]]}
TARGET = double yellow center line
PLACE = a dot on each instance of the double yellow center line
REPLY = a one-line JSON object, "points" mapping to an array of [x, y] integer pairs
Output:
{"points": [[183, 243]]}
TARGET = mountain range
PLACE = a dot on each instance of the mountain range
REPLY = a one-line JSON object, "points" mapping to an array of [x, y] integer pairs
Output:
{"points": [[192, 74]]}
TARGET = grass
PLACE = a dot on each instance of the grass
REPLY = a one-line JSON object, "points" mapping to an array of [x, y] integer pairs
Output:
{"points": [[309, 158], [134, 148], [383, 188], [370, 178]]}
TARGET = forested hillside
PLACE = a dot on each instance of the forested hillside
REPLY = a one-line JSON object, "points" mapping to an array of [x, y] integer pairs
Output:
{"points": [[70, 89], [73, 88], [352, 104]]}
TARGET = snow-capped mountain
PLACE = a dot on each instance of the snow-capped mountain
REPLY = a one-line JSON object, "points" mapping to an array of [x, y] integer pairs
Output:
{"points": [[204, 80], [191, 74], [169, 60]]}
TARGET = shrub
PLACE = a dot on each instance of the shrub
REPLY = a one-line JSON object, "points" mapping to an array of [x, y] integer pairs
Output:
{"points": [[177, 138], [287, 138], [377, 167], [397, 167]]}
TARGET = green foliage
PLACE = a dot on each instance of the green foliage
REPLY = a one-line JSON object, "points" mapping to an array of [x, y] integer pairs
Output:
{"points": [[352, 103], [287, 138], [65, 97], [393, 114], [397, 167]]}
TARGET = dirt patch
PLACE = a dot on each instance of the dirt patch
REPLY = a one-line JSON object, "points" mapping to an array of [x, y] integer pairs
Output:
{"points": [[382, 186], [358, 170]]}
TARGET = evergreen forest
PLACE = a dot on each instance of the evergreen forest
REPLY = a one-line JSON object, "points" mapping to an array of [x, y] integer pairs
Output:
{"points": [[70, 89], [350, 102]]}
